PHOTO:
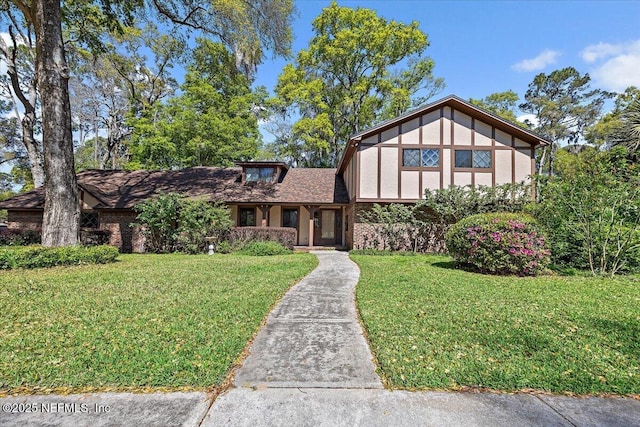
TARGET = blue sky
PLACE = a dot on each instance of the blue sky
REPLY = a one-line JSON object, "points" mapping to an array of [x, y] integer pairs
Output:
{"points": [[482, 47]]}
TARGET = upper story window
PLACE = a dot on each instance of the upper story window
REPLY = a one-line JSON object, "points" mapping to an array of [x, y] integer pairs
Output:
{"points": [[480, 159], [426, 157], [260, 174]]}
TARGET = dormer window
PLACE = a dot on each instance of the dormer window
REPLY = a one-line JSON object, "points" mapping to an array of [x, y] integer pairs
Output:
{"points": [[260, 174]]}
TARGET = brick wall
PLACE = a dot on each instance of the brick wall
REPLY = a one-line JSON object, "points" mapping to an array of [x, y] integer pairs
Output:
{"points": [[24, 220], [123, 236]]}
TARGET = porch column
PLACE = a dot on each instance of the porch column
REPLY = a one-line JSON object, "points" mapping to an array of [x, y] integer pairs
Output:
{"points": [[312, 211], [264, 209]]}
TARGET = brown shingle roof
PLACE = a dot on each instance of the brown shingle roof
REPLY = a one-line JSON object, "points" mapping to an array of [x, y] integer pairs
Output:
{"points": [[125, 189]]}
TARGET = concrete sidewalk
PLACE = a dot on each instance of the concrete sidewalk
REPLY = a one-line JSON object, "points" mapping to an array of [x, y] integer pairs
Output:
{"points": [[311, 366]]}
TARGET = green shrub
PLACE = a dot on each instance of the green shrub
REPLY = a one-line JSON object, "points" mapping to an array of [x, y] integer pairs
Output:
{"points": [[224, 247], [41, 257], [376, 252], [173, 223], [591, 212], [499, 243], [264, 249], [19, 238], [286, 236]]}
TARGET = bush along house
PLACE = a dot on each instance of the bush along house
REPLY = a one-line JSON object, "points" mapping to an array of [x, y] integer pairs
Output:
{"points": [[448, 142]]}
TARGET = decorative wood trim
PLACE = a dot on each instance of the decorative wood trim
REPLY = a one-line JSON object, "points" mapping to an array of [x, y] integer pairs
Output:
{"points": [[399, 149], [493, 147], [358, 172], [379, 163], [473, 131], [513, 159]]}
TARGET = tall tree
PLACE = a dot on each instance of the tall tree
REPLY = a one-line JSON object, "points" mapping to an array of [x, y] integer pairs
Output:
{"points": [[244, 25], [565, 106], [213, 122], [111, 88], [357, 69], [502, 104], [621, 125], [20, 88]]}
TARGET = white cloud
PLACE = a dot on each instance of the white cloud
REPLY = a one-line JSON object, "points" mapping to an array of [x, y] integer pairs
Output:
{"points": [[532, 118], [598, 51], [546, 57], [615, 65]]}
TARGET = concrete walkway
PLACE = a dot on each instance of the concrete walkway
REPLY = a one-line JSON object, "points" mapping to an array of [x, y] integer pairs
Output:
{"points": [[313, 339], [311, 366]]}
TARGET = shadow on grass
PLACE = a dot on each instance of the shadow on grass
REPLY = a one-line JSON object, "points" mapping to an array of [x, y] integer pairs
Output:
{"points": [[449, 265], [625, 335]]}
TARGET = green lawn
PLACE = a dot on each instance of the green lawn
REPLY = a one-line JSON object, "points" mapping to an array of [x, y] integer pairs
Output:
{"points": [[433, 327], [146, 321]]}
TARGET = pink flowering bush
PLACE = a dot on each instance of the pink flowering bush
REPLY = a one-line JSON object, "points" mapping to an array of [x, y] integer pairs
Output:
{"points": [[499, 243]]}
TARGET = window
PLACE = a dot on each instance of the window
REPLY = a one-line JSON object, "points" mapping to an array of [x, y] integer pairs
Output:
{"points": [[463, 158], [247, 217], [411, 158], [480, 159], [89, 220], [430, 157], [290, 218], [427, 157], [260, 174]]}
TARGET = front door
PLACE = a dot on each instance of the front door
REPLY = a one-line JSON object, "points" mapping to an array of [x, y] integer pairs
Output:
{"points": [[327, 230]]}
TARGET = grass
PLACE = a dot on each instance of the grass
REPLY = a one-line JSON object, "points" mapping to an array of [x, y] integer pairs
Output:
{"points": [[147, 321], [433, 327]]}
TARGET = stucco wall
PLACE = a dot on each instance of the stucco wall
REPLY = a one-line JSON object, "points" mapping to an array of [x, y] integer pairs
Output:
{"points": [[383, 176]]}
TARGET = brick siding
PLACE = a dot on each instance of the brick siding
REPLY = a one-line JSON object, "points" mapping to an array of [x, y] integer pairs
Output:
{"points": [[123, 236]]}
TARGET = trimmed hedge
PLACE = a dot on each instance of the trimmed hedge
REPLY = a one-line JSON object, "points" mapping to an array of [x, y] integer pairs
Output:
{"points": [[499, 243], [286, 236], [18, 237], [42, 257], [264, 249]]}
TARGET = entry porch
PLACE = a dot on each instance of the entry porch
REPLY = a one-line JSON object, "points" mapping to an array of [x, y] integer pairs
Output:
{"points": [[316, 225]]}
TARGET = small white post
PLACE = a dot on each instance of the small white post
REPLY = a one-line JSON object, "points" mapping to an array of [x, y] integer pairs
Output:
{"points": [[211, 249]]}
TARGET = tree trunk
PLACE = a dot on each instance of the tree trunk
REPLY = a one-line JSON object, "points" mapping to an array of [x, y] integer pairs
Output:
{"points": [[61, 207], [33, 151]]}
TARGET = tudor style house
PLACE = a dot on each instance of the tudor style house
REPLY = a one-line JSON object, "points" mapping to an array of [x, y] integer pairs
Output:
{"points": [[448, 142]]}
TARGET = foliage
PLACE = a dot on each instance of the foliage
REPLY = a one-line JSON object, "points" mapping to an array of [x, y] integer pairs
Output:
{"points": [[443, 207], [502, 104], [159, 219], [431, 326], [604, 132], [19, 238], [267, 248], [375, 252], [165, 321], [392, 227], [213, 122], [200, 222], [591, 211], [499, 243], [173, 223], [224, 247], [565, 106], [286, 236], [345, 80], [93, 237], [627, 133], [119, 83], [42, 257]]}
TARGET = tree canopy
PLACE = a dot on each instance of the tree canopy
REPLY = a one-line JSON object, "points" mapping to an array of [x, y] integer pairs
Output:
{"points": [[359, 68], [565, 105], [213, 122]]}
